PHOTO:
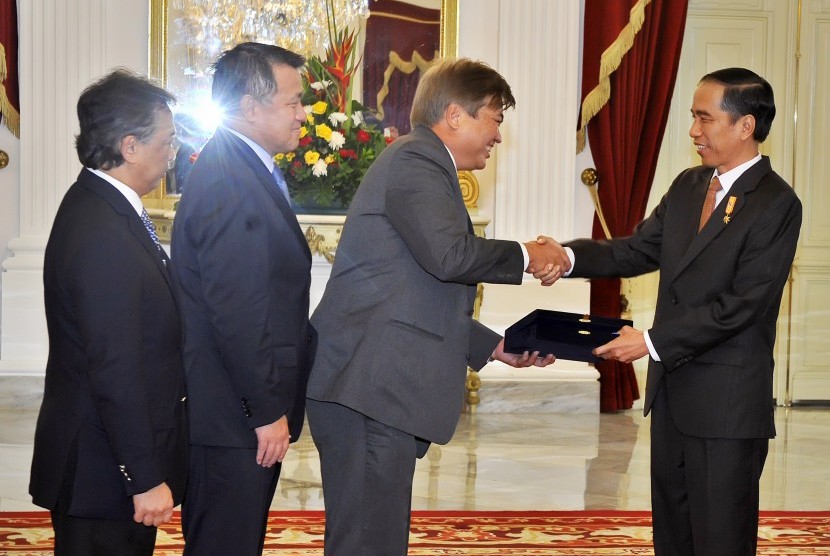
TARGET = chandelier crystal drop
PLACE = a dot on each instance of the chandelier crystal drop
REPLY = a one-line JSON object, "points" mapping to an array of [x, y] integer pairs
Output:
{"points": [[208, 27]]}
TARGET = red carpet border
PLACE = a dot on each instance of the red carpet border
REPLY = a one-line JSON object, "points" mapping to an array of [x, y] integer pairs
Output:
{"points": [[560, 533]]}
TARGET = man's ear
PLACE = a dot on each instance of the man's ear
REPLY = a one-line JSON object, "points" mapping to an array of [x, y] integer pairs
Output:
{"points": [[747, 124], [247, 108], [128, 147], [454, 115]]}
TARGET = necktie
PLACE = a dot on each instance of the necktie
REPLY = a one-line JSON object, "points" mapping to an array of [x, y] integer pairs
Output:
{"points": [[280, 179], [709, 203], [151, 228]]}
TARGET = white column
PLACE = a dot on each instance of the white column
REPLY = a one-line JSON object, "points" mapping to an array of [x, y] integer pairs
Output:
{"points": [[539, 56], [64, 45]]}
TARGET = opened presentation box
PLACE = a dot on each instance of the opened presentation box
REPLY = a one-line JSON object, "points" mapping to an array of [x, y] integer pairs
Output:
{"points": [[568, 336]]}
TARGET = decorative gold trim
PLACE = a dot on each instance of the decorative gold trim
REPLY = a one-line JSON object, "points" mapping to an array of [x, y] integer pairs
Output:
{"points": [[469, 188], [11, 117], [404, 66], [590, 178], [317, 244], [404, 18], [158, 40], [608, 64], [449, 28], [157, 56]]}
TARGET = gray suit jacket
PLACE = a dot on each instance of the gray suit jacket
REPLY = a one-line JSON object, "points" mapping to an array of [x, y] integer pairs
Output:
{"points": [[395, 323], [718, 299]]}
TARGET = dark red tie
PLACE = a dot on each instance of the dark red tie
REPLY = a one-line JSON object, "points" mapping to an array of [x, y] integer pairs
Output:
{"points": [[709, 203]]}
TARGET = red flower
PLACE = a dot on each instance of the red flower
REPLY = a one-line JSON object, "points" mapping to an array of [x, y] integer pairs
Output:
{"points": [[388, 139], [306, 141], [362, 136], [297, 163], [348, 153]]}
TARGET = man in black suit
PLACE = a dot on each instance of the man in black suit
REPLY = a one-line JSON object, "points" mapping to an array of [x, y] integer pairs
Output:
{"points": [[243, 269], [110, 453], [723, 239], [396, 327]]}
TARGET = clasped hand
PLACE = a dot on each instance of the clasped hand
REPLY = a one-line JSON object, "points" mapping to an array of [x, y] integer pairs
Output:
{"points": [[548, 260]]}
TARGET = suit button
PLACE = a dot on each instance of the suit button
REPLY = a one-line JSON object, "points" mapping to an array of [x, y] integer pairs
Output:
{"points": [[674, 301]]}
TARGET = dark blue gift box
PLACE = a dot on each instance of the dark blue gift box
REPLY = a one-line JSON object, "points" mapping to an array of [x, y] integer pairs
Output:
{"points": [[568, 336]]}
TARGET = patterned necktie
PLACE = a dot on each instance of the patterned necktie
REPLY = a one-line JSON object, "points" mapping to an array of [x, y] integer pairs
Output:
{"points": [[278, 177], [151, 228], [709, 203]]}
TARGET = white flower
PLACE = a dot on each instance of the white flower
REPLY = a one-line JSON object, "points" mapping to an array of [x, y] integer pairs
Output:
{"points": [[320, 168], [357, 118], [337, 140], [337, 118], [307, 108], [320, 85]]}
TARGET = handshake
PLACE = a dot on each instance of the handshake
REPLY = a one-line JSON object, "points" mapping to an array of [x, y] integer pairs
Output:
{"points": [[548, 260]]}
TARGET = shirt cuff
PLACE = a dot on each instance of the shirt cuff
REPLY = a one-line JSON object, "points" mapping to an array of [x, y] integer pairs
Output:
{"points": [[650, 346], [525, 255], [572, 258]]}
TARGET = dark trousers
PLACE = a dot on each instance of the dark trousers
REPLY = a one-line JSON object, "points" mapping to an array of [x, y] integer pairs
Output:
{"points": [[367, 469], [704, 491], [225, 510], [80, 536]]}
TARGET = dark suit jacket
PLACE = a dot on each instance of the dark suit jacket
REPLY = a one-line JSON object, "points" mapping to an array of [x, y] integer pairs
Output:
{"points": [[718, 299], [242, 266], [112, 422], [395, 322]]}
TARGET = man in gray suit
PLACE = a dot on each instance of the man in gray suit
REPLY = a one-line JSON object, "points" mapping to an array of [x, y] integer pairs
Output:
{"points": [[395, 323]]}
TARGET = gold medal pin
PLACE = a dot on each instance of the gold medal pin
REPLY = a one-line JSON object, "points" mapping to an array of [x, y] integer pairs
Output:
{"points": [[730, 206]]}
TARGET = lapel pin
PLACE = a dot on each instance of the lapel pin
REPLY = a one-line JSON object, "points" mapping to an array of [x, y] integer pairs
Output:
{"points": [[730, 206]]}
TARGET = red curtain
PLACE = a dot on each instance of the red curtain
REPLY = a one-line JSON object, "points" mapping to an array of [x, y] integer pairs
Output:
{"points": [[9, 100], [643, 39], [404, 29]]}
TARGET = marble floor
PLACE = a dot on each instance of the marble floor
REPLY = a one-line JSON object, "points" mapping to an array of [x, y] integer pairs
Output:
{"points": [[538, 461]]}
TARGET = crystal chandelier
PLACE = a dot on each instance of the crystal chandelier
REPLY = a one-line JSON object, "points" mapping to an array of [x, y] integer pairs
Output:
{"points": [[208, 27]]}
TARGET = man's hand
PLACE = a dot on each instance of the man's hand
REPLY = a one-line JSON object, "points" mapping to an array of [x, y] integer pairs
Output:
{"points": [[630, 346], [524, 360], [548, 260], [272, 442], [154, 507]]}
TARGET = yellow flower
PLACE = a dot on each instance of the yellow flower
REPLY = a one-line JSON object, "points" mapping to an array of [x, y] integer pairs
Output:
{"points": [[323, 131], [319, 107], [309, 118], [289, 156], [311, 157], [279, 156], [303, 131], [329, 159]]}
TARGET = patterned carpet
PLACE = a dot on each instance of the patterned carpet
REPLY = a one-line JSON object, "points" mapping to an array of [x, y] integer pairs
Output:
{"points": [[610, 533]]}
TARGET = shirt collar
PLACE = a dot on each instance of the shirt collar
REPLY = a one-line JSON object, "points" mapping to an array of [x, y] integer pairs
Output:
{"points": [[730, 177], [263, 155], [125, 190]]}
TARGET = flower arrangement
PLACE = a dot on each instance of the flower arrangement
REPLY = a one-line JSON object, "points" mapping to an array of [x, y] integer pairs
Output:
{"points": [[339, 140]]}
